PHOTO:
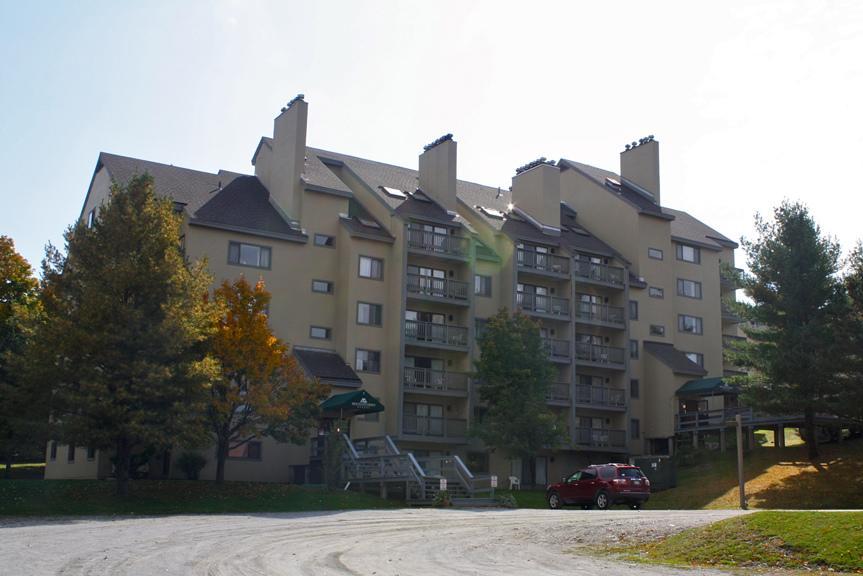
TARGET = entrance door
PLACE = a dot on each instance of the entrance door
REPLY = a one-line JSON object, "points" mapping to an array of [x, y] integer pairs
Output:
{"points": [[541, 471]]}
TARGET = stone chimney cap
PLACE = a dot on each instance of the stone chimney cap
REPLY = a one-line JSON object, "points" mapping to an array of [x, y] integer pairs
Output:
{"points": [[534, 164], [295, 99], [641, 141], [440, 140]]}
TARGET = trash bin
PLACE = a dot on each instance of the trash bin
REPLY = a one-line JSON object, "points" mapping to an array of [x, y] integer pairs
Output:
{"points": [[660, 470]]}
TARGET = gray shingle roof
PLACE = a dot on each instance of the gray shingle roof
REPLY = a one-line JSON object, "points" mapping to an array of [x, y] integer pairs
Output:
{"points": [[673, 358], [357, 228], [687, 227], [326, 365], [625, 191]]}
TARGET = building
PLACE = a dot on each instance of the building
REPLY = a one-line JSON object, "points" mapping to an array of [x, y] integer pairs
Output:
{"points": [[382, 277]]}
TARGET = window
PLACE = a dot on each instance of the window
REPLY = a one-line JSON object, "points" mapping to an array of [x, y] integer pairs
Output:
{"points": [[368, 360], [689, 253], [657, 330], [634, 428], [324, 240], [322, 286], [633, 310], [691, 324], [371, 268], [480, 324], [634, 388], [91, 453], [71, 454], [249, 451], [655, 292], [369, 314], [242, 254], [482, 285], [696, 357], [319, 333], [654, 253], [688, 288], [91, 218], [633, 349], [53, 451]]}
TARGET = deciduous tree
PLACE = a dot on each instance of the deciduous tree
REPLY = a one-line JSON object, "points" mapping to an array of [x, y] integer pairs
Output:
{"points": [[260, 390]]}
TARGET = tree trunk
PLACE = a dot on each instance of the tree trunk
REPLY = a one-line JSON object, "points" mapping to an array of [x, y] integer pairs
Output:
{"points": [[124, 462], [811, 433], [8, 472], [221, 455]]}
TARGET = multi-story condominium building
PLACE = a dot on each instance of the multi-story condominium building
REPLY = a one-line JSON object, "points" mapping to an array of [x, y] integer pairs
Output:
{"points": [[383, 276]]}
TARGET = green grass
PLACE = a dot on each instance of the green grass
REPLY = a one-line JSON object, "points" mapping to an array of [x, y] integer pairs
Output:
{"points": [[526, 498], [800, 540], [148, 497]]}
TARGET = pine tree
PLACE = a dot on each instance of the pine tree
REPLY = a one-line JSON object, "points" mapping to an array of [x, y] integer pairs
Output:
{"points": [[797, 305], [122, 341], [260, 389], [515, 375]]}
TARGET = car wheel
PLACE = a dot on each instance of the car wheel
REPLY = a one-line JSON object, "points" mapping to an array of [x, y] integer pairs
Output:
{"points": [[602, 502], [635, 505], [554, 501]]}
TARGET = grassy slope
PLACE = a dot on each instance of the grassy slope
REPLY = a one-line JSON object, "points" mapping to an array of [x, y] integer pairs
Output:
{"points": [[831, 540], [88, 497], [775, 478]]}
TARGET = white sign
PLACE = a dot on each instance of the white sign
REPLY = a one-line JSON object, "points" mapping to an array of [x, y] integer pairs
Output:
{"points": [[494, 481], [442, 484]]}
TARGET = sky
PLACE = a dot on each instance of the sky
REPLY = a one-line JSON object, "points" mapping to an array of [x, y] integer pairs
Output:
{"points": [[752, 101]]}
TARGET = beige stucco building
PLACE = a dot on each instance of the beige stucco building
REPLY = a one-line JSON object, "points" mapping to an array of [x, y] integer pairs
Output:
{"points": [[381, 277]]}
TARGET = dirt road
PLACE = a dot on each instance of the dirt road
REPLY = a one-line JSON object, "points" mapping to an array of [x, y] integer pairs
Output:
{"points": [[380, 542]]}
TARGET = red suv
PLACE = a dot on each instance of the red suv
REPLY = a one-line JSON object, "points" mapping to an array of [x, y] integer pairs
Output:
{"points": [[601, 485]]}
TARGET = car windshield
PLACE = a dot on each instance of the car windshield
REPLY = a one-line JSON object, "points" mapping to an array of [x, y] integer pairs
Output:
{"points": [[630, 473]]}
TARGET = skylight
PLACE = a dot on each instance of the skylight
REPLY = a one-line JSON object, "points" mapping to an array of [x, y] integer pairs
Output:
{"points": [[491, 212], [612, 181], [369, 223], [394, 192]]}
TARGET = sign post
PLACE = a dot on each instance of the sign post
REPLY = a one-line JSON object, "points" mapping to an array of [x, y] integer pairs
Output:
{"points": [[740, 480], [443, 484], [493, 484]]}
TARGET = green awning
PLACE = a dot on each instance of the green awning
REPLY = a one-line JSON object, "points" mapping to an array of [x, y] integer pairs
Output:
{"points": [[350, 404], [706, 387]]}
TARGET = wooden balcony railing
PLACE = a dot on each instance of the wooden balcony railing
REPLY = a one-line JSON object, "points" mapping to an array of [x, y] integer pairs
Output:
{"points": [[542, 261], [600, 396], [431, 333], [542, 304], [438, 243], [437, 287], [423, 379]]}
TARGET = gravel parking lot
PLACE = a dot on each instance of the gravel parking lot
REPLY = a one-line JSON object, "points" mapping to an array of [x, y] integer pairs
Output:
{"points": [[407, 542]]}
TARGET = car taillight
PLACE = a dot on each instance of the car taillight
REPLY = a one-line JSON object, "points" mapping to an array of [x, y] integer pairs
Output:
{"points": [[647, 481], [619, 481]]}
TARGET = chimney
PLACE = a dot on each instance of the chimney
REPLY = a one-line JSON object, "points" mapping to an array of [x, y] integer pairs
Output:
{"points": [[536, 191], [289, 158], [639, 163], [437, 171]]}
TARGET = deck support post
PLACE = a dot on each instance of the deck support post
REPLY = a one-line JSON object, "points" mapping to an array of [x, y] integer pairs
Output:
{"points": [[695, 439], [779, 438]]}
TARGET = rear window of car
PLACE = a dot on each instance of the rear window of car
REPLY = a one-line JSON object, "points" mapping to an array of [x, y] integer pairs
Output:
{"points": [[606, 472], [630, 473]]}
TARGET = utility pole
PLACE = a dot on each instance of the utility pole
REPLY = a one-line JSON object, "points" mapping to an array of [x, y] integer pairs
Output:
{"points": [[739, 420]]}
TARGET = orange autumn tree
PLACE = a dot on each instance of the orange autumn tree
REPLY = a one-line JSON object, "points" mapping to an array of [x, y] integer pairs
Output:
{"points": [[260, 390]]}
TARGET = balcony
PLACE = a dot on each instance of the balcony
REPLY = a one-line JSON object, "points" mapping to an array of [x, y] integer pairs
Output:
{"points": [[710, 419], [431, 429], [542, 263], [600, 356], [558, 394], [602, 274], [438, 289], [601, 438], [728, 280], [600, 315], [436, 382], [729, 316], [600, 397], [433, 335], [558, 350], [542, 305], [438, 244]]}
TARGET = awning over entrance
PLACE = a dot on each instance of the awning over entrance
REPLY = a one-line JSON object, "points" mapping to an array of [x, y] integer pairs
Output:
{"points": [[706, 387], [350, 404]]}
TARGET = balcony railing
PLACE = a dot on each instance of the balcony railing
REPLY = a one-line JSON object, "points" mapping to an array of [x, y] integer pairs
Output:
{"points": [[600, 438], [729, 315], [591, 312], [600, 396], [429, 332], [438, 427], [598, 272], [542, 304], [558, 392], [703, 419], [542, 262], [557, 349], [588, 352], [437, 287], [426, 379], [437, 243]]}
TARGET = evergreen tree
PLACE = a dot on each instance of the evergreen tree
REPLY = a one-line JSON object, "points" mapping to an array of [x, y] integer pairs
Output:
{"points": [[515, 376], [794, 348], [122, 341], [850, 400], [260, 389], [23, 413]]}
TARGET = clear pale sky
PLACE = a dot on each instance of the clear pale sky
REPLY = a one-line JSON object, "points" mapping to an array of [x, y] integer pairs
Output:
{"points": [[752, 102]]}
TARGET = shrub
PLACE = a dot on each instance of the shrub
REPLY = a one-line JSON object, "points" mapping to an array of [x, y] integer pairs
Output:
{"points": [[191, 463], [442, 500], [507, 501]]}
